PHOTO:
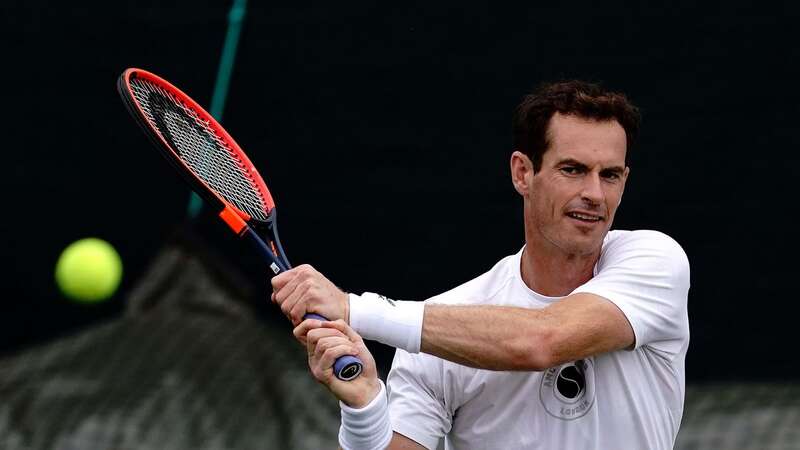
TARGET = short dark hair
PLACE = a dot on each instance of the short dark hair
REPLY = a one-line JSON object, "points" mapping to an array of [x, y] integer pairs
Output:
{"points": [[577, 98]]}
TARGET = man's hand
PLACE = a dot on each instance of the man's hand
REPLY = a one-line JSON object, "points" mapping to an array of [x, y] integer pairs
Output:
{"points": [[303, 290], [327, 341]]}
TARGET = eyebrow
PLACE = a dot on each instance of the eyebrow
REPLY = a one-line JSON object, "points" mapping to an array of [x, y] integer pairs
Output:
{"points": [[576, 163]]}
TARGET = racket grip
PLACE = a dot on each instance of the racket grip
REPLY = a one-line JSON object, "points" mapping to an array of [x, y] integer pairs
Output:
{"points": [[346, 367]]}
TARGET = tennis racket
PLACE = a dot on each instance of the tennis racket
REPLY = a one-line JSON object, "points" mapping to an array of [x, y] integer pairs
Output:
{"points": [[215, 167]]}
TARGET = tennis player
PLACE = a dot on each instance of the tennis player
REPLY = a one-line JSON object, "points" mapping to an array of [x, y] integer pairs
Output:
{"points": [[577, 341]]}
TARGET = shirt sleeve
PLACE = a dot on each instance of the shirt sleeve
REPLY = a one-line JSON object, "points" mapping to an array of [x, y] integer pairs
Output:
{"points": [[416, 408], [646, 275]]}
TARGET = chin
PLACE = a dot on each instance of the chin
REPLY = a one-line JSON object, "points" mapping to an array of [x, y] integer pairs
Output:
{"points": [[581, 251], [583, 245], [573, 241]]}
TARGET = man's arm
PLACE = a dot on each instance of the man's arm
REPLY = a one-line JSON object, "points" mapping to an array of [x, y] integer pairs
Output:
{"points": [[510, 338], [487, 337]]}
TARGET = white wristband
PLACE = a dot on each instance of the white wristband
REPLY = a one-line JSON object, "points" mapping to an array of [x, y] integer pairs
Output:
{"points": [[391, 322], [366, 428]]}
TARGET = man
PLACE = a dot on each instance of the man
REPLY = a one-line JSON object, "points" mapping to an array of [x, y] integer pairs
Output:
{"points": [[584, 331]]}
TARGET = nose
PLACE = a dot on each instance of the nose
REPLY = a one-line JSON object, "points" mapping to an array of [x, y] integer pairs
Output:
{"points": [[592, 190]]}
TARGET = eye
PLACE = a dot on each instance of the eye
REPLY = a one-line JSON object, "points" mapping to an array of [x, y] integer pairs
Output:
{"points": [[611, 176], [570, 170]]}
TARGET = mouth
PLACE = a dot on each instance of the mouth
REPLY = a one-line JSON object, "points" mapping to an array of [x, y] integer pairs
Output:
{"points": [[585, 217]]}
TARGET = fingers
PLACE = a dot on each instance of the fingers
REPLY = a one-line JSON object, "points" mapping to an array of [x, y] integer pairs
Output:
{"points": [[287, 281], [284, 283], [306, 327], [289, 287], [333, 350], [344, 328], [301, 330], [294, 306], [280, 280], [325, 346], [363, 352], [303, 290], [299, 302], [329, 345], [329, 341], [314, 336]]}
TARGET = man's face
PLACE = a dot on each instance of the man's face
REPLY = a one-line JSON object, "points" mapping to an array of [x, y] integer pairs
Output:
{"points": [[572, 199]]}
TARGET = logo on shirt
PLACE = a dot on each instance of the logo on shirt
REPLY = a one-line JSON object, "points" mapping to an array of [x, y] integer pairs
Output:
{"points": [[567, 391]]}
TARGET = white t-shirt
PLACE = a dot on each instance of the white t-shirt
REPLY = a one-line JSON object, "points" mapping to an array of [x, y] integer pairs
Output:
{"points": [[627, 399]]}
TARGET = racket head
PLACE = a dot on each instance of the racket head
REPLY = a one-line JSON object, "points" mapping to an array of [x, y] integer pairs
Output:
{"points": [[213, 165], [198, 147]]}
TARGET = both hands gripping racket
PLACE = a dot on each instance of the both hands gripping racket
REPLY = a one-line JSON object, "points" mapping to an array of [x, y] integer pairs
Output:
{"points": [[215, 167]]}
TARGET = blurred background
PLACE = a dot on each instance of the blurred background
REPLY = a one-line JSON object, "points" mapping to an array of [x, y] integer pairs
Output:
{"points": [[384, 133]]}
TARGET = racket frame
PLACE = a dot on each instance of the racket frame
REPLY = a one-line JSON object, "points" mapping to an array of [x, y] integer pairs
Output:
{"points": [[241, 223]]}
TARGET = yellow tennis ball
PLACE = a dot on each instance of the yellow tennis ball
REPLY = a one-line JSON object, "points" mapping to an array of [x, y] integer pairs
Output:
{"points": [[89, 270]]}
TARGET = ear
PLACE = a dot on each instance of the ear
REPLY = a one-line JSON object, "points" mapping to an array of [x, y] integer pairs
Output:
{"points": [[624, 181], [521, 171]]}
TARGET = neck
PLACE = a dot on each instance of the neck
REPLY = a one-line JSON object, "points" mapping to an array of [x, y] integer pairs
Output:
{"points": [[555, 275]]}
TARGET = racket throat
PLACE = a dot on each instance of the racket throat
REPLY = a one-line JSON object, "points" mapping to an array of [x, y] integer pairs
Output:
{"points": [[272, 249], [277, 248], [233, 220]]}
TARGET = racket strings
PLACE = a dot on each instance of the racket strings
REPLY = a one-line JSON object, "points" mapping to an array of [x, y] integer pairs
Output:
{"points": [[199, 146]]}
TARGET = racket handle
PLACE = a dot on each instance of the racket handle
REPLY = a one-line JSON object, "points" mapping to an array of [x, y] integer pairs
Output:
{"points": [[346, 367]]}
